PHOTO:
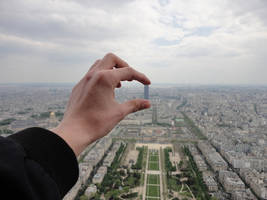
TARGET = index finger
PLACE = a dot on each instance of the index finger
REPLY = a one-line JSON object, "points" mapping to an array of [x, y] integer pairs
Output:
{"points": [[129, 74], [110, 61]]}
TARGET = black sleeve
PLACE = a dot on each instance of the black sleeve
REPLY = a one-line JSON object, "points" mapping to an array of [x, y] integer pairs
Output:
{"points": [[36, 164]]}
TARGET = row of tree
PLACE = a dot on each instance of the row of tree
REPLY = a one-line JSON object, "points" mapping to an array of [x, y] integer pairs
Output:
{"points": [[139, 162], [6, 131], [168, 165], [117, 182], [8, 121], [112, 179], [89, 180], [193, 128], [196, 182]]}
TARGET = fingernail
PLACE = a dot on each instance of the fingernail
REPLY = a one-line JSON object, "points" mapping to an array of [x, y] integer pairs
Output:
{"points": [[145, 105]]}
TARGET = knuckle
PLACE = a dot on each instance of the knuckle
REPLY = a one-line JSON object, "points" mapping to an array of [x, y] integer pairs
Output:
{"points": [[95, 64], [110, 55], [97, 61], [99, 75], [131, 73], [102, 77], [89, 75], [126, 64], [131, 70]]}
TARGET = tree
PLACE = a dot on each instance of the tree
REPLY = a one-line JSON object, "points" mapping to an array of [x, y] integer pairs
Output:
{"points": [[180, 164], [84, 197]]}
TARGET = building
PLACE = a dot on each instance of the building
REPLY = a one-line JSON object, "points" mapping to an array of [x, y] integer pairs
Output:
{"points": [[146, 92], [257, 181], [231, 181], [108, 160], [23, 123], [201, 164], [74, 190], [52, 122], [243, 195], [210, 182], [91, 190], [216, 162], [99, 176], [154, 113], [85, 170]]}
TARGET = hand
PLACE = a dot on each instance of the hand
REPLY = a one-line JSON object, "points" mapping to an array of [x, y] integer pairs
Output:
{"points": [[92, 110]]}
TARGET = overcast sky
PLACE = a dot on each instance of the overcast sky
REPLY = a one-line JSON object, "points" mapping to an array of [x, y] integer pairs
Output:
{"points": [[172, 41]]}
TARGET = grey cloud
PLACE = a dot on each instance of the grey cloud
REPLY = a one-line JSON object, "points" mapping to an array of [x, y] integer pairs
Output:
{"points": [[67, 38], [105, 4], [42, 27], [255, 7], [39, 24], [52, 54], [215, 51]]}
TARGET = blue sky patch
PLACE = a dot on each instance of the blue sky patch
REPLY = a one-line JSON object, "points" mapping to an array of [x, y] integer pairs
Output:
{"points": [[203, 31], [163, 42]]}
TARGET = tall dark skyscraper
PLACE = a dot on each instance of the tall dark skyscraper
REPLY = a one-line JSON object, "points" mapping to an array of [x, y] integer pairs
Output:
{"points": [[146, 92]]}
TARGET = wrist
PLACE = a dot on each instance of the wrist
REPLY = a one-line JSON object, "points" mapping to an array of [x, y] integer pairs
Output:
{"points": [[77, 137]]}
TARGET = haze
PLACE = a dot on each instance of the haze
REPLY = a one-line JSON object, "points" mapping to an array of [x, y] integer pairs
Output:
{"points": [[183, 42]]}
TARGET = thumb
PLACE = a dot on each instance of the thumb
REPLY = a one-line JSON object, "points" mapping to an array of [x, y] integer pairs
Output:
{"points": [[134, 105]]}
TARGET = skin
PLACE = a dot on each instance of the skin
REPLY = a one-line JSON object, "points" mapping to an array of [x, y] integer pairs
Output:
{"points": [[92, 111]]}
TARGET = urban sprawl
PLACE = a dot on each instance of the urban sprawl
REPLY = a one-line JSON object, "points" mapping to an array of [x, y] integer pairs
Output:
{"points": [[194, 143]]}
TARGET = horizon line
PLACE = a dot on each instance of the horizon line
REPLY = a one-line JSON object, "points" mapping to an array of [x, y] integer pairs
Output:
{"points": [[137, 84]]}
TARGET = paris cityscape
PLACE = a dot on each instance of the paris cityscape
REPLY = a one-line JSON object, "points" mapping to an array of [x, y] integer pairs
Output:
{"points": [[194, 143]]}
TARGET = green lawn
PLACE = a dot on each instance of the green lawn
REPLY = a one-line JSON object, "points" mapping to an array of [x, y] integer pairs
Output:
{"points": [[153, 179], [153, 191], [154, 158], [153, 152], [173, 185], [153, 163], [153, 166]]}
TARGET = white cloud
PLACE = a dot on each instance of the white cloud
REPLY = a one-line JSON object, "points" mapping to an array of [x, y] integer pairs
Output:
{"points": [[209, 41]]}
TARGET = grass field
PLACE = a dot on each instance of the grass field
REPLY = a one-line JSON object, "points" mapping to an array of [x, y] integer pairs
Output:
{"points": [[153, 179], [153, 152], [153, 191], [153, 166], [153, 160]]}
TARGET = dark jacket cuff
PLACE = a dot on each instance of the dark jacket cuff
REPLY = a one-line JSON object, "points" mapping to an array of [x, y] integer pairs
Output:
{"points": [[52, 153]]}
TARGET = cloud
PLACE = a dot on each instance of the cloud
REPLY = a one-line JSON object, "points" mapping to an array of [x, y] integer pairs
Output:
{"points": [[172, 41]]}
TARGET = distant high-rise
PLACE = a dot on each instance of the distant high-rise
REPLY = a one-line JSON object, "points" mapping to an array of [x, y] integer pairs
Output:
{"points": [[146, 92], [154, 113]]}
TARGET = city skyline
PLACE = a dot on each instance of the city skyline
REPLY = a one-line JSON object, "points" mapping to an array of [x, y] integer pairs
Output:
{"points": [[218, 133]]}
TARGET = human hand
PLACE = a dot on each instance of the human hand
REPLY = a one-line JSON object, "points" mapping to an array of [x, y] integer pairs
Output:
{"points": [[92, 110]]}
